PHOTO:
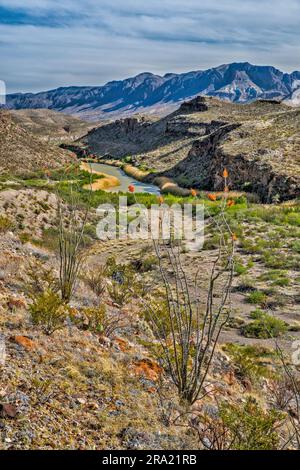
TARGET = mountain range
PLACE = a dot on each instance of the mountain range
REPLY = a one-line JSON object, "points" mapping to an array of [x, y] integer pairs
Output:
{"points": [[146, 92]]}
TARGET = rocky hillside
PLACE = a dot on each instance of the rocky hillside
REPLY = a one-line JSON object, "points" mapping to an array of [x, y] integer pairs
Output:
{"points": [[237, 82], [51, 125], [22, 152], [258, 142]]}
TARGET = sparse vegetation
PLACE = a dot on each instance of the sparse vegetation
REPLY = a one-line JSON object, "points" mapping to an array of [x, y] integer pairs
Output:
{"points": [[140, 331], [257, 297], [122, 281], [264, 326], [250, 427], [5, 224], [96, 280], [48, 311]]}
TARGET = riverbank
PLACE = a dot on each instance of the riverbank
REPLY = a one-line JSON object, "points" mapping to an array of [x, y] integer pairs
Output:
{"points": [[166, 185], [104, 183]]}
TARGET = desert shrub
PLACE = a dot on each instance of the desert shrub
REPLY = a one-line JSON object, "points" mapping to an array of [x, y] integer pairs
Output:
{"points": [[249, 361], [246, 284], [257, 314], [141, 288], [264, 326], [241, 268], [256, 297], [49, 239], [119, 293], [238, 427], [250, 427], [234, 322], [277, 277], [295, 246], [96, 318], [5, 224], [49, 311], [212, 242], [96, 280], [122, 281], [99, 320], [281, 391], [40, 278], [146, 264], [159, 310]]}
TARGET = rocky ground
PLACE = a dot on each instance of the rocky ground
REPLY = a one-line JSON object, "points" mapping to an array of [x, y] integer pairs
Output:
{"points": [[77, 389], [21, 152], [50, 125]]}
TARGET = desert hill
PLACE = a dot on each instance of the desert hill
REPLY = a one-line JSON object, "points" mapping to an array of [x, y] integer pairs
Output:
{"points": [[51, 125], [22, 152]]}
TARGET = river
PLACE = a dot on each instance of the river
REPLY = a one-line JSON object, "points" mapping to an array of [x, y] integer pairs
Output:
{"points": [[124, 179]]}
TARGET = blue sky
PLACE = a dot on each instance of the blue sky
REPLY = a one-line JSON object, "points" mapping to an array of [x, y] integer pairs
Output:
{"points": [[49, 43]]}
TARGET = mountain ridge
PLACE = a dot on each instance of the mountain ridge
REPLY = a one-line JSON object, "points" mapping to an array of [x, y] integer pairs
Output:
{"points": [[239, 82]]}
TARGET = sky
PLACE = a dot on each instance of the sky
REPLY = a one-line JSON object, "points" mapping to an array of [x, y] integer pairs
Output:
{"points": [[45, 44]]}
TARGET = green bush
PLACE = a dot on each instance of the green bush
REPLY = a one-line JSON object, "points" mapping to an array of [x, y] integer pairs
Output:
{"points": [[249, 360], [257, 314], [96, 280], [157, 314], [96, 318], [146, 264], [277, 277], [249, 427], [49, 311], [257, 297], [264, 326], [296, 246], [122, 281], [5, 224]]}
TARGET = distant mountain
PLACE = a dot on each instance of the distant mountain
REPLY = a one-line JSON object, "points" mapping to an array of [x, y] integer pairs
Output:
{"points": [[237, 82]]}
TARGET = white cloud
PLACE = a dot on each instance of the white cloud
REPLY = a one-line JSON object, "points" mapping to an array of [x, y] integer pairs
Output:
{"points": [[95, 41]]}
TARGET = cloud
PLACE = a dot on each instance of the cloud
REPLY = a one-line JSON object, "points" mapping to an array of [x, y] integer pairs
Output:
{"points": [[49, 43]]}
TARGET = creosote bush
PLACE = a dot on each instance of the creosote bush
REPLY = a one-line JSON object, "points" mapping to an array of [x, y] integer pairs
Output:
{"points": [[264, 326], [244, 426], [122, 281], [96, 280], [250, 427], [5, 224], [49, 311], [98, 320], [249, 361]]}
